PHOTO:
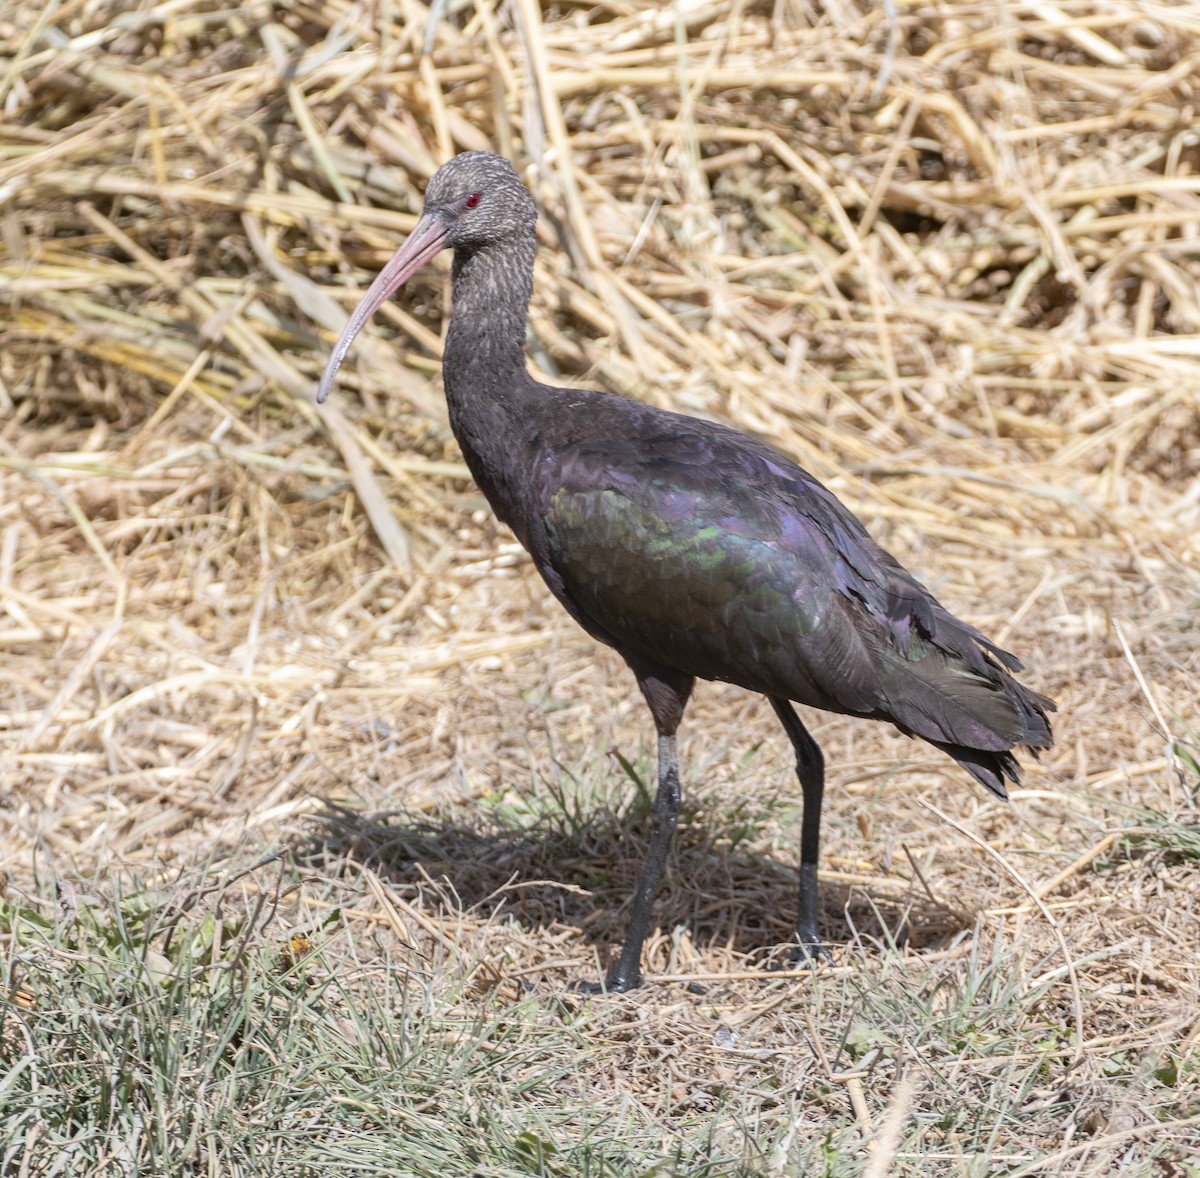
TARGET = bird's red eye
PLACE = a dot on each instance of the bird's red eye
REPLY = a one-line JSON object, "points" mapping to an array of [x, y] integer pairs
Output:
{"points": [[473, 200]]}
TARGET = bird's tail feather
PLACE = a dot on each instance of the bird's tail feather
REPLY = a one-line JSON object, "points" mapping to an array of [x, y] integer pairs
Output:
{"points": [[990, 769], [976, 715]]}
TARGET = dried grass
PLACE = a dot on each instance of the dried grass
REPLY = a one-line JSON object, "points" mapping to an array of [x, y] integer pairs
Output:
{"points": [[947, 258]]}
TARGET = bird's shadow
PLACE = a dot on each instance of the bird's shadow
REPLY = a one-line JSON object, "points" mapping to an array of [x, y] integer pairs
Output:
{"points": [[579, 870]]}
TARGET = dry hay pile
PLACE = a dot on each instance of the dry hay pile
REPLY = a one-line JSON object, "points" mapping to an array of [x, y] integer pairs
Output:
{"points": [[948, 259]]}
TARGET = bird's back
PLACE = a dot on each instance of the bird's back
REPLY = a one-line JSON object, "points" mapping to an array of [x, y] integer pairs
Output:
{"points": [[708, 552]]}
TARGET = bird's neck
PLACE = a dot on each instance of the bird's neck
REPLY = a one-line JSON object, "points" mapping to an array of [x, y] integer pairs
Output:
{"points": [[485, 346], [493, 402]]}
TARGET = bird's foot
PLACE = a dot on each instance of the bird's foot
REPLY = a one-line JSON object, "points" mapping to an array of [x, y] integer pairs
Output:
{"points": [[615, 983], [809, 952]]}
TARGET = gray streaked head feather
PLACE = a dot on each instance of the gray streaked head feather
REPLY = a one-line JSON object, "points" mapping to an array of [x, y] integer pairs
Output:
{"points": [[505, 210]]}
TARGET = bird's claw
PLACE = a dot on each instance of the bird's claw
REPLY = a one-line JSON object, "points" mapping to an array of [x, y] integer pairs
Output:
{"points": [[810, 953], [613, 984]]}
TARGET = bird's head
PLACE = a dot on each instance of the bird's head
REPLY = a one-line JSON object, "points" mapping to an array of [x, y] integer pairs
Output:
{"points": [[480, 199], [474, 200]]}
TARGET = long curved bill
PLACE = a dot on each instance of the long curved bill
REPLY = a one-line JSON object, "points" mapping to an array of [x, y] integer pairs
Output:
{"points": [[427, 238]]}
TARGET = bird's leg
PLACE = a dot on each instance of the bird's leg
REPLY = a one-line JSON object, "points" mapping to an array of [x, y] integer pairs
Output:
{"points": [[627, 974], [667, 694], [810, 769]]}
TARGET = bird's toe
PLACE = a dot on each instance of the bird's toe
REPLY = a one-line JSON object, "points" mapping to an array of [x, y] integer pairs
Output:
{"points": [[809, 954], [613, 984]]}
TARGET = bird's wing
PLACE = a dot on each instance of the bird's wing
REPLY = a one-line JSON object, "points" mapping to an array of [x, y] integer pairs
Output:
{"points": [[715, 555]]}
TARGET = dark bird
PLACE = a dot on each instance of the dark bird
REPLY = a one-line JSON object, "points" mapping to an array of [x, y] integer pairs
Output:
{"points": [[692, 549]]}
